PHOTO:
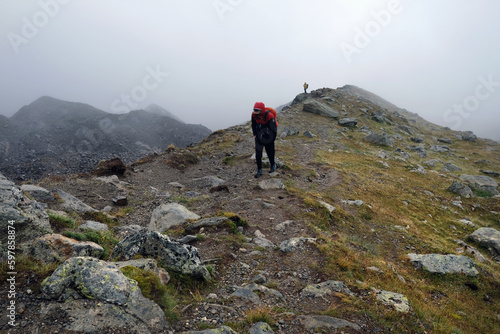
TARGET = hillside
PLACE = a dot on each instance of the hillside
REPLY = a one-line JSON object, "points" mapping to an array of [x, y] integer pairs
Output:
{"points": [[321, 246], [51, 136]]}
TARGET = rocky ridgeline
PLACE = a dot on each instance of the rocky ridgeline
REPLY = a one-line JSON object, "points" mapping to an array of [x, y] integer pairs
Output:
{"points": [[51, 136], [88, 294]]}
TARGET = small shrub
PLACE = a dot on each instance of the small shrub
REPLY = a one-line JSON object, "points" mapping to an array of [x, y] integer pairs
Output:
{"points": [[182, 160], [260, 314]]}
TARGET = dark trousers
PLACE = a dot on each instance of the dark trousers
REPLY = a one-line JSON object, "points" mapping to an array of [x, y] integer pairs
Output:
{"points": [[269, 150]]}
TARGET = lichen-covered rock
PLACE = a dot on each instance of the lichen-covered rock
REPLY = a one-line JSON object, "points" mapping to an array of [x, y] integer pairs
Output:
{"points": [[261, 328], [86, 277], [461, 189], [169, 215], [444, 264], [396, 300], [271, 184], [487, 237], [325, 288], [95, 316], [318, 323], [295, 243], [28, 217], [218, 330], [247, 293], [51, 248], [174, 255]]}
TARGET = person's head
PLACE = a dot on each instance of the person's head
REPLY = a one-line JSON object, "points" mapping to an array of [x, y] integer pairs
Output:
{"points": [[259, 107]]}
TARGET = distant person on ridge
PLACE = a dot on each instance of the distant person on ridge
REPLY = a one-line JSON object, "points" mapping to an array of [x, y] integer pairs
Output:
{"points": [[264, 130], [305, 87]]}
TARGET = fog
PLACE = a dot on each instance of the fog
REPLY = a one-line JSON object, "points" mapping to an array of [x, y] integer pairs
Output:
{"points": [[207, 62]]}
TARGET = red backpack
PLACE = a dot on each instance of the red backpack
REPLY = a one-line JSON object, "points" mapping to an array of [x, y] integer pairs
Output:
{"points": [[269, 109]]}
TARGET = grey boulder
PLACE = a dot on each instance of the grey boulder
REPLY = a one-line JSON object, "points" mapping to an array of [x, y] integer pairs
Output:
{"points": [[174, 255], [319, 108], [24, 216], [487, 237], [444, 264], [85, 277]]}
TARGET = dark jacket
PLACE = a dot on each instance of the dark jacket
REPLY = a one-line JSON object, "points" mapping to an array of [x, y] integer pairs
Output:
{"points": [[264, 120]]}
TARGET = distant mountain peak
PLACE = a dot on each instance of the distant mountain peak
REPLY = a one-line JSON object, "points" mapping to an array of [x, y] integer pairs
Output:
{"points": [[156, 109]]}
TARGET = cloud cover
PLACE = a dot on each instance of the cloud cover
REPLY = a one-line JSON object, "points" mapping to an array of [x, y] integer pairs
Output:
{"points": [[209, 61]]}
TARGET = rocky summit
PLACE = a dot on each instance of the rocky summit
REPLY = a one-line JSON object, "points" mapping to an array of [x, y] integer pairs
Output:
{"points": [[375, 221], [50, 136]]}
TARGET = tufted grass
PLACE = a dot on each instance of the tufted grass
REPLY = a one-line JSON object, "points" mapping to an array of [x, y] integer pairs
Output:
{"points": [[398, 217], [105, 239], [152, 288]]}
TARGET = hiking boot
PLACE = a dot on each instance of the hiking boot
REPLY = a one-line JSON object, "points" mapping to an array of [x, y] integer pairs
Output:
{"points": [[273, 168], [259, 174]]}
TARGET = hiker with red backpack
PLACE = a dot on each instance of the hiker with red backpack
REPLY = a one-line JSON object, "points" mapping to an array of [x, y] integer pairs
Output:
{"points": [[265, 129]]}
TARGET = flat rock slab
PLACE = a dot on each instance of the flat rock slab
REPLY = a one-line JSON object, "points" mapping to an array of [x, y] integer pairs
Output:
{"points": [[71, 203], [487, 237], [38, 193], [218, 330], [325, 288], [396, 300], [444, 264], [293, 244], [481, 180], [316, 323], [319, 108], [271, 184]]}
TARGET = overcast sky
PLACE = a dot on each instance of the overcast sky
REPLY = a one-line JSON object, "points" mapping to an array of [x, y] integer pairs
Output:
{"points": [[208, 61]]}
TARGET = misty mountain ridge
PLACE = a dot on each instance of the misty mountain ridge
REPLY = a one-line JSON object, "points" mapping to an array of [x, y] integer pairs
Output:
{"points": [[156, 109], [52, 136]]}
